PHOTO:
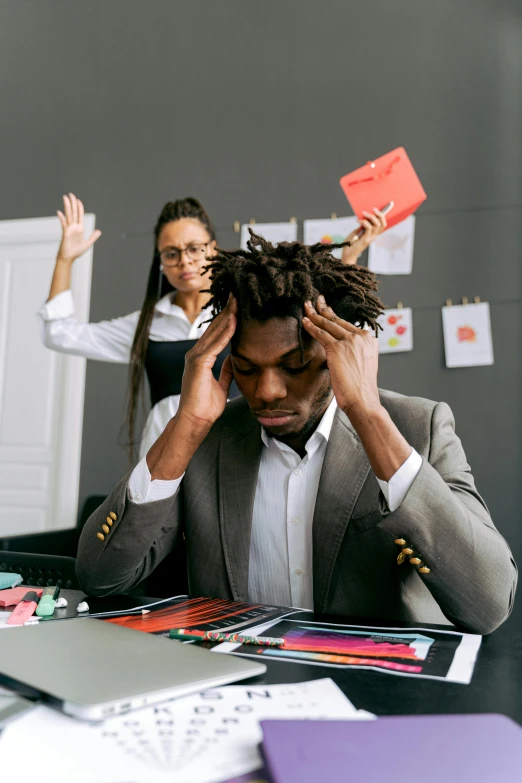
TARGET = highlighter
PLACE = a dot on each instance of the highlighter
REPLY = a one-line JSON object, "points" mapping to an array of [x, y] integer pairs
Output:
{"points": [[47, 601], [24, 610]]}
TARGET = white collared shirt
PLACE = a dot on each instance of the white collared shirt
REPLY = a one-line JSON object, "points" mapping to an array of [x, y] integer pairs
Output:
{"points": [[280, 565], [111, 341]]}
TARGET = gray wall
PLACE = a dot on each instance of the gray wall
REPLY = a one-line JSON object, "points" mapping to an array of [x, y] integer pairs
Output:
{"points": [[257, 108]]}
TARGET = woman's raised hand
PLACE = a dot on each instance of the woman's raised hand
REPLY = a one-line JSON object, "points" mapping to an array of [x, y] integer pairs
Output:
{"points": [[73, 242]]}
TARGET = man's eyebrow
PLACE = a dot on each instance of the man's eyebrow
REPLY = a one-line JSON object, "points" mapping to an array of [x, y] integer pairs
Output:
{"points": [[286, 355]]}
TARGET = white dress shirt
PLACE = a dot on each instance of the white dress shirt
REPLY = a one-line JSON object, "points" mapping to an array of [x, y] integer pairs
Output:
{"points": [[280, 565], [111, 341]]}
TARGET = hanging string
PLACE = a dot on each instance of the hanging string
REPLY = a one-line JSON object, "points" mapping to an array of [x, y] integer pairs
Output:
{"points": [[424, 213]]}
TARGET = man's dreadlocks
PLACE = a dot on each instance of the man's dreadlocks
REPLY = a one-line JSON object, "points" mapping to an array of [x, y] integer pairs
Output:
{"points": [[276, 280]]}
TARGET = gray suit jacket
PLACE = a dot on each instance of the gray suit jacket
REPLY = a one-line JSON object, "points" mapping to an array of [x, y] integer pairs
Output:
{"points": [[355, 572]]}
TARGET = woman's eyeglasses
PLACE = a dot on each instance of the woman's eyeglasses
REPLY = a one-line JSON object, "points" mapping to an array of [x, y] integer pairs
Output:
{"points": [[171, 257]]}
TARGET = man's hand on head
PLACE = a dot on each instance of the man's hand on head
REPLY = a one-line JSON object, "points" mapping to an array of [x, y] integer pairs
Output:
{"points": [[202, 400], [352, 355]]}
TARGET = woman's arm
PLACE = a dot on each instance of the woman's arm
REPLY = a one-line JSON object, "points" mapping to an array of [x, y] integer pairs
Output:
{"points": [[108, 341], [372, 226]]}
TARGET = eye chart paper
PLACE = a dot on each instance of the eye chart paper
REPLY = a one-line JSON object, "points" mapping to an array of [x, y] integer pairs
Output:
{"points": [[214, 735], [397, 330], [274, 232], [329, 232], [467, 335], [391, 253]]}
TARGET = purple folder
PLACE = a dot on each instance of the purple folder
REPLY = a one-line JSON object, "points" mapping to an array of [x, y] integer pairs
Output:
{"points": [[411, 749]]}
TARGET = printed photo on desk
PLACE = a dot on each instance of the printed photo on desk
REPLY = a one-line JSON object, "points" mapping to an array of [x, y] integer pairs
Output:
{"points": [[205, 614], [412, 652]]}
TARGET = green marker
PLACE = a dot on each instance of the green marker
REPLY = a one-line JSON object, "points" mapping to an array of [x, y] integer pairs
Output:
{"points": [[47, 602]]}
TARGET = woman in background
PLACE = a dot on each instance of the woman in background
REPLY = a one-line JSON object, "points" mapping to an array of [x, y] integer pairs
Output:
{"points": [[155, 339]]}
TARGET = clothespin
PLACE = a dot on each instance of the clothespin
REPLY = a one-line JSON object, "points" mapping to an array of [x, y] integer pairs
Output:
{"points": [[237, 226], [252, 221], [476, 299], [448, 302], [293, 220], [333, 216], [465, 300], [399, 305]]}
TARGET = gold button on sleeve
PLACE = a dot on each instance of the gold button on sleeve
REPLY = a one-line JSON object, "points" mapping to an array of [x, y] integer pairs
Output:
{"points": [[415, 560], [100, 536], [424, 570], [113, 516], [110, 521], [408, 550], [400, 541], [106, 529]]}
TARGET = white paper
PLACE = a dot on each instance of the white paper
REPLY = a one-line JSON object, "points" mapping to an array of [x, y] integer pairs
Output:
{"points": [[274, 232], [397, 331], [214, 735], [45, 746], [391, 253], [467, 335], [329, 232]]}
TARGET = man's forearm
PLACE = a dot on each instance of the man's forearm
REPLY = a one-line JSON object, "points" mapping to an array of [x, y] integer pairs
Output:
{"points": [[384, 445], [169, 457]]}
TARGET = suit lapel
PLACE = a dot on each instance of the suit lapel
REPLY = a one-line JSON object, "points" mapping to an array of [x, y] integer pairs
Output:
{"points": [[239, 458], [344, 472]]}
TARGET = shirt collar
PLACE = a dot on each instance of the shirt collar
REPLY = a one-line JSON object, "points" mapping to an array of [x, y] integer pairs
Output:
{"points": [[322, 431], [166, 306]]}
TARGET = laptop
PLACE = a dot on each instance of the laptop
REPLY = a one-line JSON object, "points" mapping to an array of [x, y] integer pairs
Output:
{"points": [[94, 669]]}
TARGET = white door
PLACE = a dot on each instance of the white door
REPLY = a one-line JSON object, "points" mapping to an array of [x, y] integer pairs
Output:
{"points": [[41, 392]]}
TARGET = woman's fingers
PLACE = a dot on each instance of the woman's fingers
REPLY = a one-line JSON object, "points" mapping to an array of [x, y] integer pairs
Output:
{"points": [[81, 211], [74, 206], [96, 234], [382, 218], [67, 209], [62, 219]]}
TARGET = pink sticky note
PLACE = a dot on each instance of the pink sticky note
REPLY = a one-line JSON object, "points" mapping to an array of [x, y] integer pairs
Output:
{"points": [[15, 594]]}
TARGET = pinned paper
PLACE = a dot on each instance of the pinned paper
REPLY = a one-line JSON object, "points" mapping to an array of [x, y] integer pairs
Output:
{"points": [[329, 232], [391, 253], [467, 335], [274, 232], [397, 331]]}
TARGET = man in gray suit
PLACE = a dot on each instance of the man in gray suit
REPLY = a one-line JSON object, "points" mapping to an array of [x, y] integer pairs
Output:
{"points": [[315, 489]]}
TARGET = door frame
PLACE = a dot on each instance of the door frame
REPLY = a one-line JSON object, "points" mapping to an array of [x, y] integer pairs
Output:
{"points": [[67, 434]]}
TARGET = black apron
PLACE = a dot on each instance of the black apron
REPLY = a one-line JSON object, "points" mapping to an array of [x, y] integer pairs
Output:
{"points": [[165, 364]]}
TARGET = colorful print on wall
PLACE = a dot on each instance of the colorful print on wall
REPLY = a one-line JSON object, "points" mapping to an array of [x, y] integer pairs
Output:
{"points": [[274, 232], [397, 330], [467, 335], [329, 232]]}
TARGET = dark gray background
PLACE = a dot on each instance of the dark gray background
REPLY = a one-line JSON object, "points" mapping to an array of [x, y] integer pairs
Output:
{"points": [[257, 108]]}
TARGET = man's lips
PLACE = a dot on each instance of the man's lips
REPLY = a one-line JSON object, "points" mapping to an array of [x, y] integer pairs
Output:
{"points": [[274, 418]]}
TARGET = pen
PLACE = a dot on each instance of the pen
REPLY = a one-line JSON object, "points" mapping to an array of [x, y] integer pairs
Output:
{"points": [[47, 601], [218, 636], [360, 231], [24, 610]]}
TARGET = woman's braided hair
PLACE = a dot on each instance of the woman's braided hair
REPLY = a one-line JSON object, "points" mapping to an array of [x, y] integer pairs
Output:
{"points": [[271, 281]]}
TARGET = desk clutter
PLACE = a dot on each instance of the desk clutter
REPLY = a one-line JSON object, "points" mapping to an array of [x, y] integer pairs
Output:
{"points": [[208, 737], [209, 734]]}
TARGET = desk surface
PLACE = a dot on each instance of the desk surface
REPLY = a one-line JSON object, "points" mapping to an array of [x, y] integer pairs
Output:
{"points": [[496, 685]]}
